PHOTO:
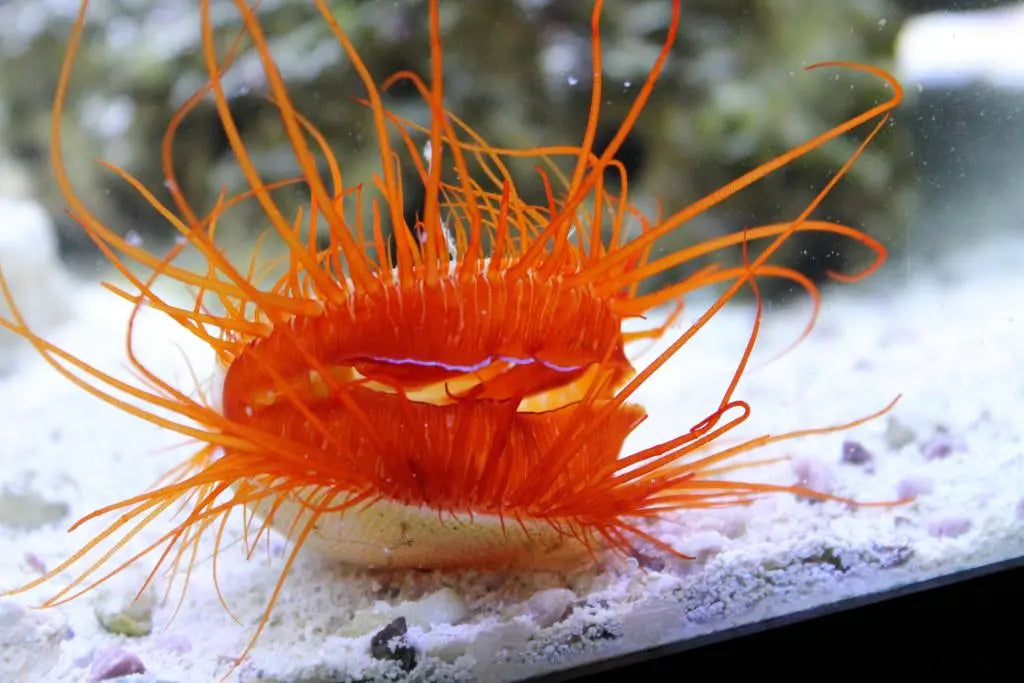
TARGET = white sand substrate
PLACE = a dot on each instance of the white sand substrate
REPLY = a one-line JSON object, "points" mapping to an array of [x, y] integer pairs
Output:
{"points": [[947, 335]]}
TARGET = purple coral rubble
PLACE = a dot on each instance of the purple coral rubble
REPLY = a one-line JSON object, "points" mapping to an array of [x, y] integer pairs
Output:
{"points": [[113, 661]]}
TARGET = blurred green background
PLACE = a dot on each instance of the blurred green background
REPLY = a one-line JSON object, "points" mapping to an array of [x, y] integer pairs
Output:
{"points": [[733, 95]]}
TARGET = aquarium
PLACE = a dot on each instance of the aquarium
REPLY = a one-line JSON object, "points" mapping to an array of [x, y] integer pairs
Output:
{"points": [[492, 341]]}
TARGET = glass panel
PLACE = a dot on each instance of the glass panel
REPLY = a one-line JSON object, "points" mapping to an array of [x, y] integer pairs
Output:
{"points": [[629, 331]]}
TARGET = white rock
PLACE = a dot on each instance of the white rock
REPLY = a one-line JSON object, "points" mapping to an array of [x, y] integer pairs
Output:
{"points": [[945, 49], [29, 641], [444, 606], [549, 606], [37, 280]]}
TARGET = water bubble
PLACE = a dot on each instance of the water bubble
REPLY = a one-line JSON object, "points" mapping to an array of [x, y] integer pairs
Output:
{"points": [[572, 80]]}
